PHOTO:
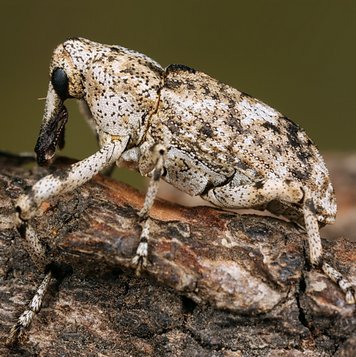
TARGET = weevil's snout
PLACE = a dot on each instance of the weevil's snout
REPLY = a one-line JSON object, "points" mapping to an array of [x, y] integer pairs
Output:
{"points": [[54, 119], [51, 136]]}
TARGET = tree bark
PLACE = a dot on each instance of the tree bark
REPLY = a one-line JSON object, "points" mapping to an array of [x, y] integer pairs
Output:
{"points": [[218, 283]]}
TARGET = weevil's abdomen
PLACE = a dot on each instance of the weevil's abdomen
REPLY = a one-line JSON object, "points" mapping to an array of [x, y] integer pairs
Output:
{"points": [[223, 132]]}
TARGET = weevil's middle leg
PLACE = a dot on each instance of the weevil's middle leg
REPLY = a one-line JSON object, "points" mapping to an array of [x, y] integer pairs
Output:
{"points": [[140, 259]]}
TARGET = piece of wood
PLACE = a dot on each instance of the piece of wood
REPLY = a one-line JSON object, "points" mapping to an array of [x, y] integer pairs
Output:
{"points": [[218, 283]]}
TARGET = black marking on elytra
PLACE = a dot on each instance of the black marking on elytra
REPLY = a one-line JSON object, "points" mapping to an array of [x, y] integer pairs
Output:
{"points": [[190, 86], [111, 58], [301, 175], [172, 83], [235, 123], [297, 143], [179, 67], [115, 49], [206, 89], [292, 133], [173, 126], [272, 127], [206, 130], [154, 68], [304, 156]]}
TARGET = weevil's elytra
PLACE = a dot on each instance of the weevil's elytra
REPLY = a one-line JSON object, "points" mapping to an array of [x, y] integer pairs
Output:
{"points": [[179, 124]]}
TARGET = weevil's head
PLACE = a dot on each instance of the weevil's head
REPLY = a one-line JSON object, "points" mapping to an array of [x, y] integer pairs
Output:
{"points": [[66, 73], [103, 77]]}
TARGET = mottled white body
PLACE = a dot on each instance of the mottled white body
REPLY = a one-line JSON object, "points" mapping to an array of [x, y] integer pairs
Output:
{"points": [[198, 134]]}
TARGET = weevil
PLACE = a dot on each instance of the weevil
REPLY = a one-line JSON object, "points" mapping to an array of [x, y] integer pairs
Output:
{"points": [[180, 125]]}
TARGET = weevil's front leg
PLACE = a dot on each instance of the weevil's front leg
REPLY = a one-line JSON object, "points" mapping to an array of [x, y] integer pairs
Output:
{"points": [[75, 176], [247, 196], [158, 154], [48, 187], [57, 183], [87, 114]]}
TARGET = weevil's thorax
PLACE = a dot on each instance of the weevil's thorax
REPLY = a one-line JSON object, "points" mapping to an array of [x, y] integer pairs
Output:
{"points": [[120, 87]]}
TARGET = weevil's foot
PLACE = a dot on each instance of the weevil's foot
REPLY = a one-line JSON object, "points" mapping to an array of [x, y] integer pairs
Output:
{"points": [[350, 296], [344, 284], [13, 337], [139, 263], [140, 259], [24, 321], [18, 329]]}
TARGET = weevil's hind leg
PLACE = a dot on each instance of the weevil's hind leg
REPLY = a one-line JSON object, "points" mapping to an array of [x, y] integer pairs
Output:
{"points": [[254, 195], [140, 259], [24, 321], [344, 284], [247, 196], [315, 250]]}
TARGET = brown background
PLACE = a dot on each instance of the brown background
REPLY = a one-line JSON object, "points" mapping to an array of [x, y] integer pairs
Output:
{"points": [[298, 56]]}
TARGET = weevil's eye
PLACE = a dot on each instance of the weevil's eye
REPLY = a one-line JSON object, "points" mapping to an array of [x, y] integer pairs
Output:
{"points": [[60, 82]]}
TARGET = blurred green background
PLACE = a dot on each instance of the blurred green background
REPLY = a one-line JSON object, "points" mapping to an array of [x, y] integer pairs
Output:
{"points": [[298, 56]]}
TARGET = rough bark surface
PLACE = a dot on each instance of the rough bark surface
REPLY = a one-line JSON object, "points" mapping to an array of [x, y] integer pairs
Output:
{"points": [[218, 283]]}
